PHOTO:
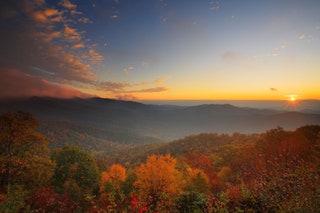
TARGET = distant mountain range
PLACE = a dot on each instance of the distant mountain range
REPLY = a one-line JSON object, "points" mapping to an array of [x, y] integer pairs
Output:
{"points": [[112, 119]]}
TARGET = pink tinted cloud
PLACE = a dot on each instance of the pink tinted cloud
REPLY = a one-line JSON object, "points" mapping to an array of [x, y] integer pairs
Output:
{"points": [[230, 55], [47, 39], [38, 58], [14, 83], [68, 4]]}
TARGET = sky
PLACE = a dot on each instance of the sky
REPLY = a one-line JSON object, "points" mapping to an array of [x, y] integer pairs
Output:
{"points": [[161, 49]]}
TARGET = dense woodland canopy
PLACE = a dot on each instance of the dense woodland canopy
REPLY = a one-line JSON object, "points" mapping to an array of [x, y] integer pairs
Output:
{"points": [[275, 171]]}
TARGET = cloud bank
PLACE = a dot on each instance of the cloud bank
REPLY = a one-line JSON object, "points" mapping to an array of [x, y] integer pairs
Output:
{"points": [[45, 51]]}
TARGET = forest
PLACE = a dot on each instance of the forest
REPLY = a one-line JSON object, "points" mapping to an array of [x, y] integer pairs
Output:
{"points": [[274, 171]]}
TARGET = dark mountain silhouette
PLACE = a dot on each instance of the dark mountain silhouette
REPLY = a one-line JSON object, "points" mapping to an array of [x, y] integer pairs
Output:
{"points": [[154, 122]]}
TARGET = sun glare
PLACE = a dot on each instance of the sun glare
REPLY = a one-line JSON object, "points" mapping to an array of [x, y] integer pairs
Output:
{"points": [[292, 99]]}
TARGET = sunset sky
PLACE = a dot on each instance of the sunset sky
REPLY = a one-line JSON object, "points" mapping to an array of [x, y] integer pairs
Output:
{"points": [[161, 49]]}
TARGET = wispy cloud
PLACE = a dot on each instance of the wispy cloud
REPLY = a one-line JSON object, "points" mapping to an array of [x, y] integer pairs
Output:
{"points": [[67, 4], [272, 89], [110, 86], [160, 80], [230, 56], [128, 69], [77, 46], [214, 5], [125, 88], [302, 36], [148, 90], [283, 46], [95, 56]]}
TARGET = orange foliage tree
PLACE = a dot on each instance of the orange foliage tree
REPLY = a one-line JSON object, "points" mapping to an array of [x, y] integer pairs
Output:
{"points": [[115, 175], [112, 197], [158, 181]]}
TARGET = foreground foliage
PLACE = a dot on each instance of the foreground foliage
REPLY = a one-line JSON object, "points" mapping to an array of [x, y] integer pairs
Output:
{"points": [[275, 171]]}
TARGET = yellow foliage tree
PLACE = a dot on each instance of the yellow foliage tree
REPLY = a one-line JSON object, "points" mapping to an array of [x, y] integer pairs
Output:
{"points": [[158, 181]]}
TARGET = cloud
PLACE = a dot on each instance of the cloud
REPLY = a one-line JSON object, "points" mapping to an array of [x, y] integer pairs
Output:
{"points": [[272, 89], [214, 5], [47, 44], [14, 83], [302, 36], [67, 4], [126, 97], [283, 46], [160, 80], [230, 55], [77, 46], [125, 88], [46, 54], [84, 20], [71, 34], [114, 15], [95, 56], [110, 86], [154, 89], [128, 69], [46, 15]]}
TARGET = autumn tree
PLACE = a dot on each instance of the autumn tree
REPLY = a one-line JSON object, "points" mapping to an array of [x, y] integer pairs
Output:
{"points": [[197, 181], [158, 181], [112, 196], [24, 156], [115, 175], [76, 172]]}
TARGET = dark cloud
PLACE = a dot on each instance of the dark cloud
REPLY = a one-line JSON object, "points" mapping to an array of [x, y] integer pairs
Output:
{"points": [[272, 89], [126, 97]]}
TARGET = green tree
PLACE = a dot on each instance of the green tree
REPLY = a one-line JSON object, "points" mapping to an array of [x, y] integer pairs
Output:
{"points": [[76, 172], [24, 156]]}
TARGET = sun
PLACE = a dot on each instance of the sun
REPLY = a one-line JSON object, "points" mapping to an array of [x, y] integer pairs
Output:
{"points": [[292, 99]]}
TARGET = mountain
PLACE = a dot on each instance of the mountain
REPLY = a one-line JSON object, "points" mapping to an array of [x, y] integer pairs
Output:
{"points": [[121, 121]]}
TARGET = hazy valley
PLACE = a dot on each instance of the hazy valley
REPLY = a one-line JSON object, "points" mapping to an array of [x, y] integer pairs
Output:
{"points": [[130, 122]]}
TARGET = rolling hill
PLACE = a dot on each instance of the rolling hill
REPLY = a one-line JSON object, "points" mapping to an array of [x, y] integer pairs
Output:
{"points": [[128, 122]]}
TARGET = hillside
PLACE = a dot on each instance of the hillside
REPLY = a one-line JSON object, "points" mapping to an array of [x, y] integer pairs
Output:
{"points": [[128, 122]]}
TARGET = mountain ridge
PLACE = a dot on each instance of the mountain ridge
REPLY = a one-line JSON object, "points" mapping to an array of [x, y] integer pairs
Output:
{"points": [[163, 122]]}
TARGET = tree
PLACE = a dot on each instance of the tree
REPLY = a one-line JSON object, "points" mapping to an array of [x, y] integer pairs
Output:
{"points": [[112, 196], [197, 181], [116, 175], [24, 156], [76, 172], [158, 181]]}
